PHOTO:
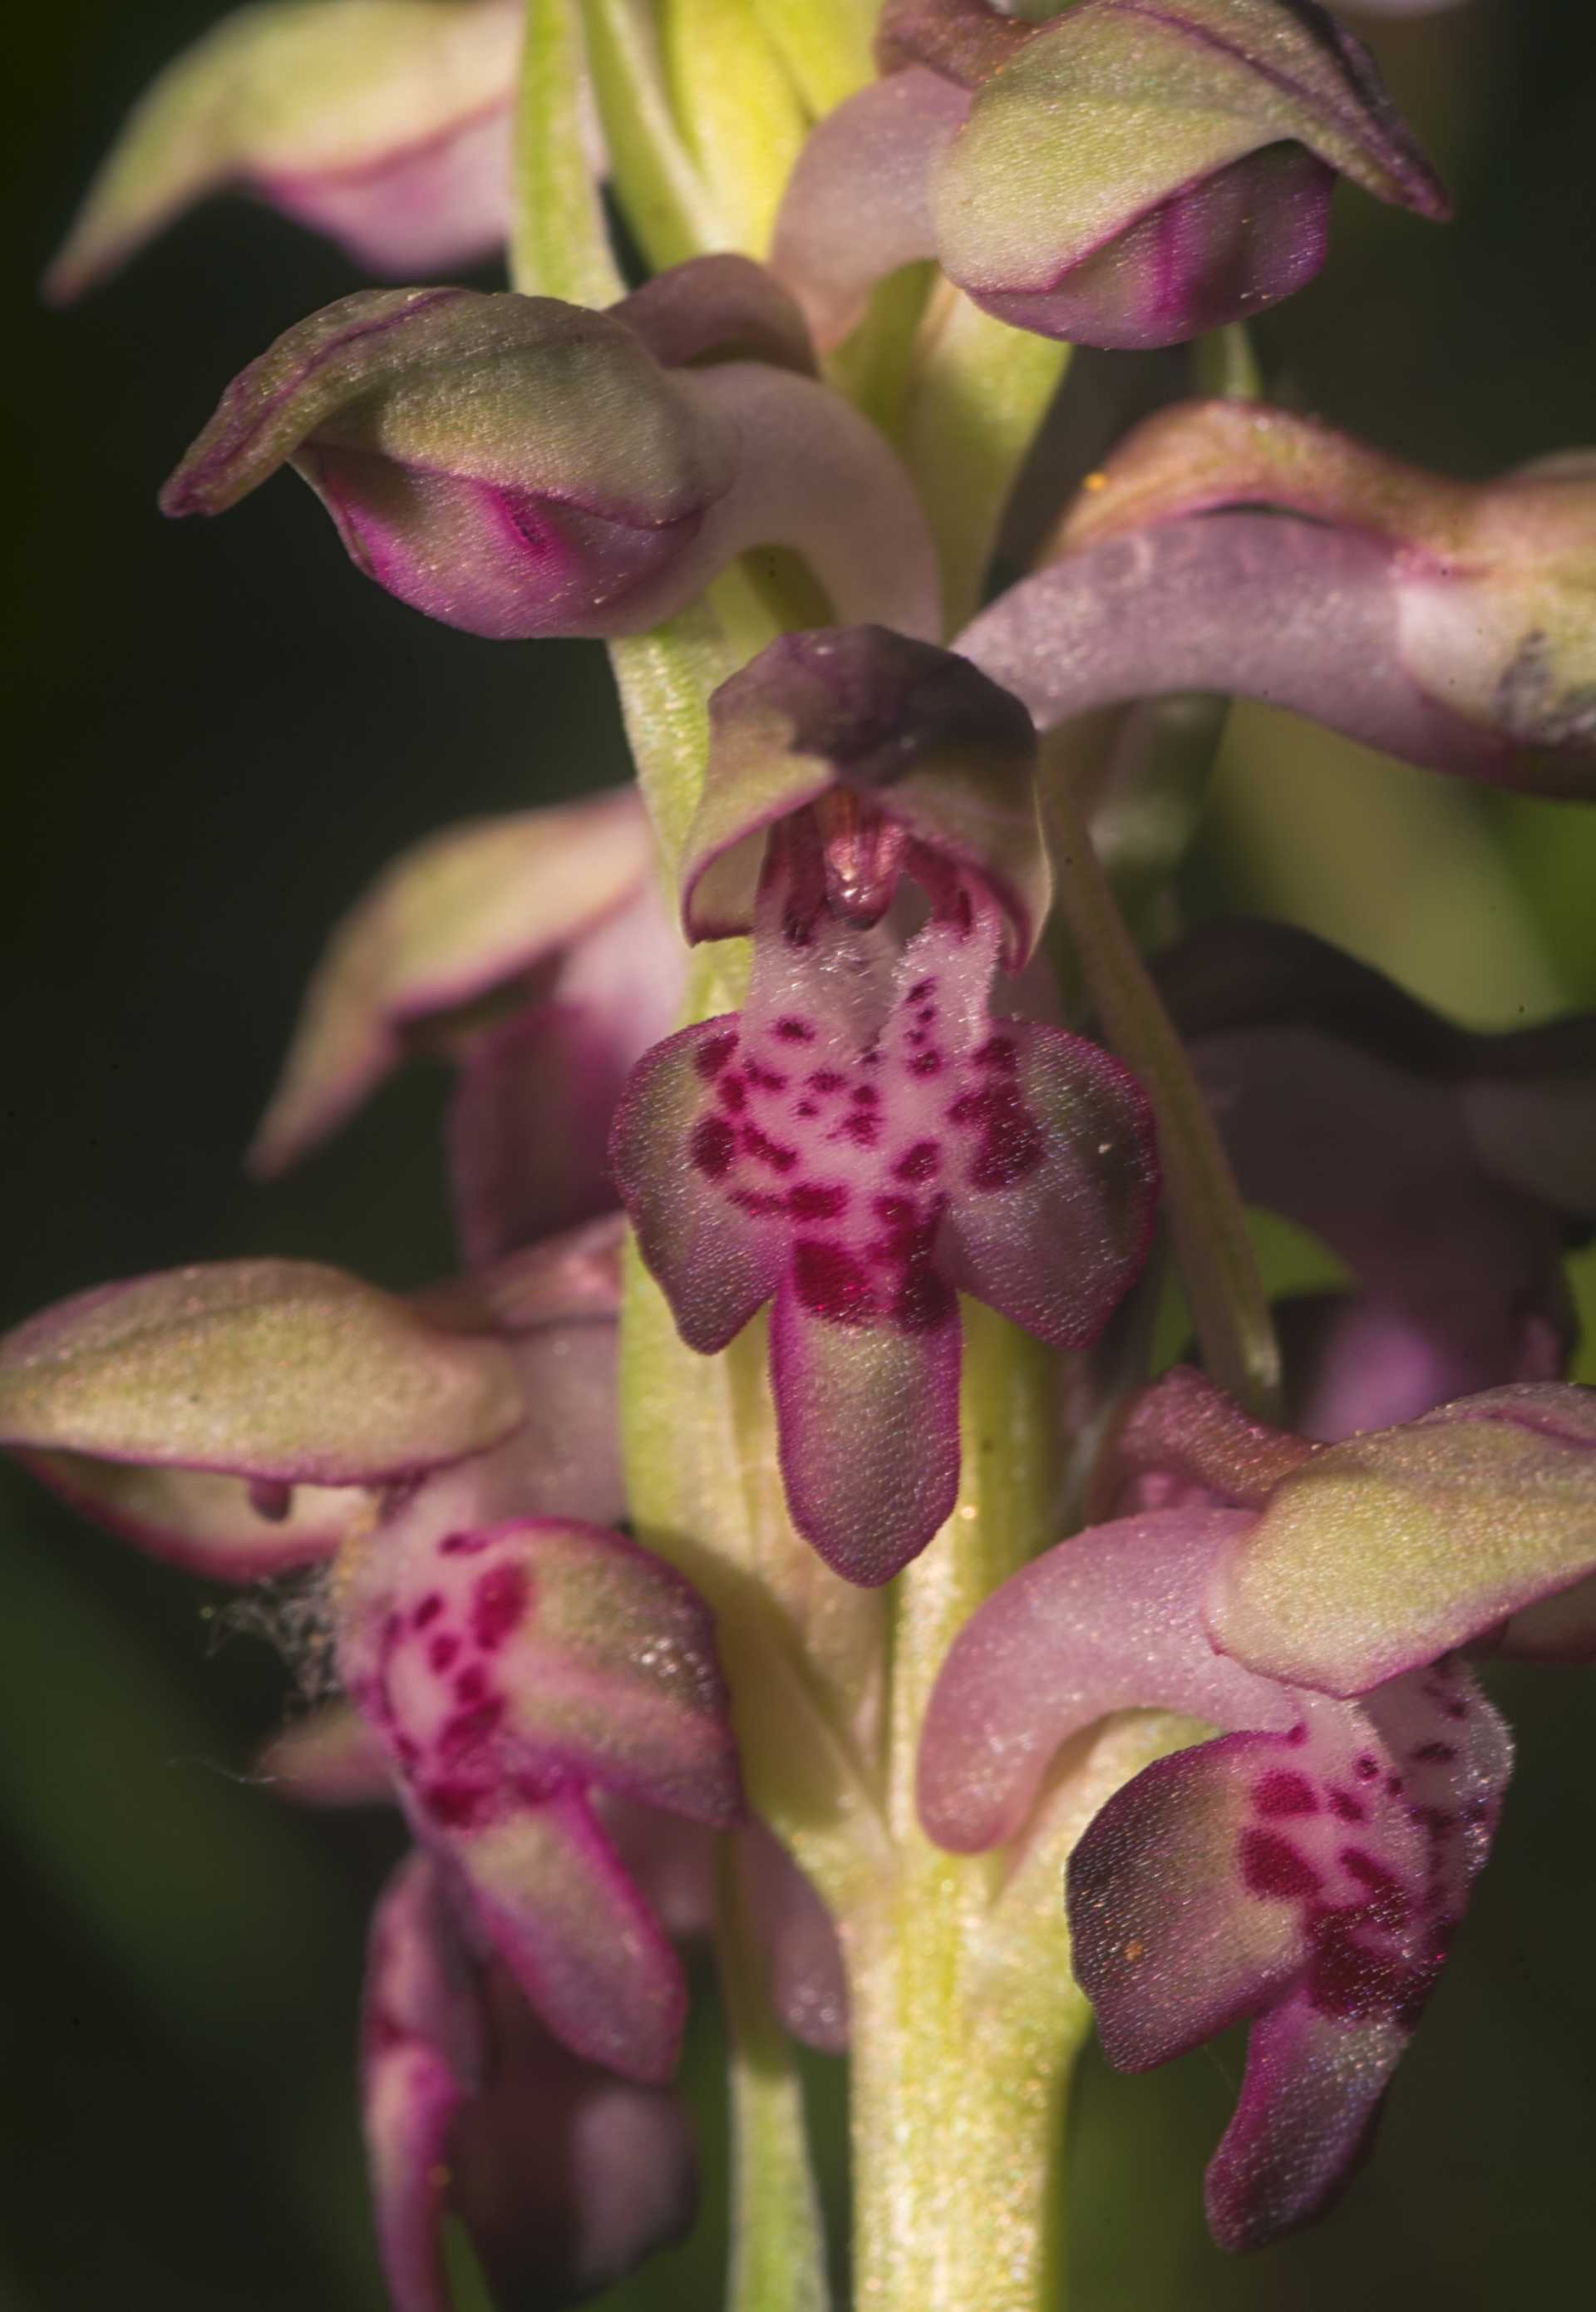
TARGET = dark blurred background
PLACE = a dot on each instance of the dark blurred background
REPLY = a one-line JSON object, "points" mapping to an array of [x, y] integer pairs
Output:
{"points": [[218, 733]]}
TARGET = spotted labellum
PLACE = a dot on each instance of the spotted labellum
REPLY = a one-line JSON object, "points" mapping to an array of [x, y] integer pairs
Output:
{"points": [[866, 1138]]}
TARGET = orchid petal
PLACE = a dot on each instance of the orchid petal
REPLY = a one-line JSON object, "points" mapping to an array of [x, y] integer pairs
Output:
{"points": [[818, 477], [867, 1419], [558, 1281], [330, 1757], [474, 908], [564, 2176], [563, 1459], [511, 465], [1257, 604], [718, 1264], [1310, 2095], [1130, 177], [858, 204], [1054, 1152], [1385, 1550], [534, 1100], [723, 306], [528, 1128], [277, 1369], [386, 123], [1359, 1362], [1492, 584], [965, 41], [222, 1526], [1111, 1620], [1395, 1136], [809, 1974], [420, 2056], [499, 1660], [918, 735], [671, 1859], [577, 1935], [1185, 1428], [1205, 457]]}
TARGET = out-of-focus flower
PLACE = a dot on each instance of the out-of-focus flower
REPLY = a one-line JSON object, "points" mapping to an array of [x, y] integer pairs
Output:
{"points": [[535, 951], [864, 1139], [384, 123], [1232, 547], [1450, 1170], [1119, 175], [1308, 1868], [512, 1655], [519, 467], [564, 2175]]}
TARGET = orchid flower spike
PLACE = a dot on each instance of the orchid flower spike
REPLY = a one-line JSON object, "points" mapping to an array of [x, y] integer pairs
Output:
{"points": [[864, 1140], [518, 467], [1234, 548], [564, 2176], [384, 123], [535, 951], [1307, 1871], [1117, 176], [511, 1657], [1396, 1137]]}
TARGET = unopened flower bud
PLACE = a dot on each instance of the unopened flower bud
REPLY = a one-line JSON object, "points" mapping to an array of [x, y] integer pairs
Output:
{"points": [[384, 123], [1119, 177], [518, 467]]}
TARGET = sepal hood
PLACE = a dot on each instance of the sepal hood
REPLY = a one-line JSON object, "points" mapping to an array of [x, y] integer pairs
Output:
{"points": [[917, 737], [519, 467]]}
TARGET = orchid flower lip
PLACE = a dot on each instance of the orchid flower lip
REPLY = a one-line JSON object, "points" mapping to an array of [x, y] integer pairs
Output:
{"points": [[860, 1142]]}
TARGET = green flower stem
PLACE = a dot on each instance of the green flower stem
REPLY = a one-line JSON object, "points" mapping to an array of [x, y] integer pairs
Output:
{"points": [[1224, 365], [667, 203], [957, 2093], [664, 678], [559, 245], [976, 398], [740, 111], [778, 2242], [872, 365], [825, 44], [1141, 777], [1225, 1285]]}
